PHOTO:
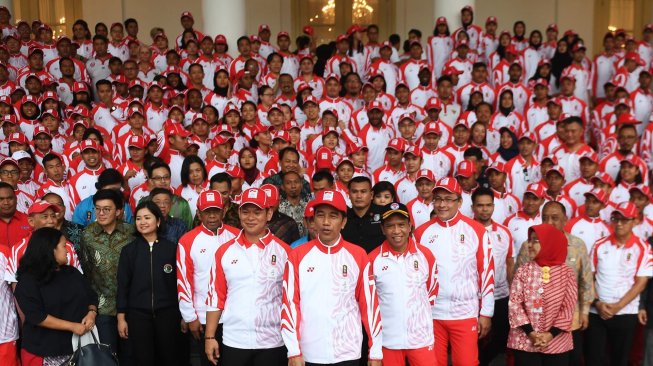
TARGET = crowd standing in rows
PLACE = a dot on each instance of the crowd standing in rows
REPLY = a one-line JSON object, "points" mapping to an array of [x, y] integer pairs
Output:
{"points": [[464, 195]]}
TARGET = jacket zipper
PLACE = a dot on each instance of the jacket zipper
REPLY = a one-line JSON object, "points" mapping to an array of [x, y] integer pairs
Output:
{"points": [[152, 279]]}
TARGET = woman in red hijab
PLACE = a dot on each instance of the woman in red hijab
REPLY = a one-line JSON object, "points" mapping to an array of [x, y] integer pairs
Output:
{"points": [[542, 299]]}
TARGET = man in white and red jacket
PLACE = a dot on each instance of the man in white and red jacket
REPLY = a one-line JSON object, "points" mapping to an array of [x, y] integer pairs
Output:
{"points": [[328, 292], [465, 305], [407, 281]]}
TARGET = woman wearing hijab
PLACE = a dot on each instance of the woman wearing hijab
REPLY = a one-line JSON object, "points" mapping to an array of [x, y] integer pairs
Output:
{"points": [[542, 299], [561, 59], [247, 161]]}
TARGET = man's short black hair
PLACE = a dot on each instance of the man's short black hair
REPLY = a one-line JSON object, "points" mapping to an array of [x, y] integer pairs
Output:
{"points": [[287, 150], [555, 203], [416, 32], [108, 177], [158, 190], [573, 119], [7, 186], [101, 38], [482, 191], [479, 65], [49, 157], [109, 194], [322, 175], [103, 82], [159, 164], [221, 178], [129, 21], [359, 179], [473, 152]]}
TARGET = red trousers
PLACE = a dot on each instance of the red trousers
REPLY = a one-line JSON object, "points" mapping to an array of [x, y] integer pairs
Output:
{"points": [[8, 354], [463, 337], [416, 357]]}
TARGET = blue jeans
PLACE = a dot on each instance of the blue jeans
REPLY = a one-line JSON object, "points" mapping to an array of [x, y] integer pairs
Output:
{"points": [[107, 326]]}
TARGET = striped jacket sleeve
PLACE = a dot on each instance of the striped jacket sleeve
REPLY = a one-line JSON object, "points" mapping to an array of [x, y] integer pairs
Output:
{"points": [[485, 265], [185, 282], [368, 303], [290, 310]]}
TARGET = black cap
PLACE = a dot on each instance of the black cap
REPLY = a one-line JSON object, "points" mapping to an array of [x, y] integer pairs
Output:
{"points": [[394, 208]]}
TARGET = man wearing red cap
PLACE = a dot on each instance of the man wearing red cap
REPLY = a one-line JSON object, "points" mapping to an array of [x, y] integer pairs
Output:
{"points": [[405, 273], [622, 264], [588, 225], [640, 196], [571, 104], [524, 168], [555, 182], [628, 74], [569, 153], [195, 254], [528, 216], [54, 170], [438, 160], [421, 207], [384, 65], [405, 186], [251, 323], [329, 263], [465, 305], [579, 70], [333, 63], [82, 184], [376, 135], [187, 22], [393, 169]]}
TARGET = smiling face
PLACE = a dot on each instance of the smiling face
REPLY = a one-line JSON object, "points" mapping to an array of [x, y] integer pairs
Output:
{"points": [[146, 222], [328, 223], [397, 230]]}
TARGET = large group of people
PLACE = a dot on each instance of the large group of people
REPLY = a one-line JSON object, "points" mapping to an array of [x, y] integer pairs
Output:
{"points": [[455, 198]]}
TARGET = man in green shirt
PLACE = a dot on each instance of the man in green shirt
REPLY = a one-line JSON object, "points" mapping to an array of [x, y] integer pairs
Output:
{"points": [[101, 243], [159, 176]]}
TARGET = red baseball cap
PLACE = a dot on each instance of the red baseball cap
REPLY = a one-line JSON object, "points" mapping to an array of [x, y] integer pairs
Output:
{"points": [[210, 199], [432, 127], [230, 107], [552, 26], [272, 194], [329, 130], [254, 196], [133, 111], [18, 137], [450, 70], [433, 103], [324, 158], [406, 116], [557, 169], [627, 210], [375, 105], [491, 19], [397, 144], [530, 135], [449, 184], [634, 56], [441, 20], [579, 46], [342, 38], [599, 194], [177, 129], [283, 34], [309, 211], [283, 135], [330, 198], [551, 158], [466, 169], [497, 166], [555, 101], [138, 142], [50, 112], [603, 177], [536, 189], [331, 111], [332, 76], [426, 174], [292, 124], [263, 27], [9, 118], [627, 119], [643, 188], [356, 146], [220, 39], [221, 140], [413, 150], [41, 206], [591, 155], [80, 87], [186, 14], [311, 99], [89, 144], [309, 30], [41, 129]]}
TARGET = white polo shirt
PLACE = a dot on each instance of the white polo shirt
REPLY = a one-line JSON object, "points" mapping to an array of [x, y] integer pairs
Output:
{"points": [[615, 268]]}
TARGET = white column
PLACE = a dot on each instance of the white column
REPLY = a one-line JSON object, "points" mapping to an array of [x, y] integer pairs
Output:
{"points": [[224, 17], [451, 10]]}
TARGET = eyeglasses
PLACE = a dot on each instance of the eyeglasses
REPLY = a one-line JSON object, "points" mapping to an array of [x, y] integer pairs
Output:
{"points": [[9, 172], [446, 200], [103, 210], [161, 178]]}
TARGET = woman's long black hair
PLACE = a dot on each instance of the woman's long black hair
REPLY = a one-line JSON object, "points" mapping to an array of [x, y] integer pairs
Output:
{"points": [[38, 259], [185, 168]]}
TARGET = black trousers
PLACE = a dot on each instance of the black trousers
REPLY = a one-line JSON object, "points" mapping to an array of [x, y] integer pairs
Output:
{"points": [[615, 333], [576, 354], [495, 342], [343, 363], [154, 337], [540, 359], [197, 347], [254, 357]]}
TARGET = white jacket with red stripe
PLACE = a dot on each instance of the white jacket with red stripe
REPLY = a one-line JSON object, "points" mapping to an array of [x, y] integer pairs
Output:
{"points": [[407, 284], [195, 254], [245, 282], [465, 267], [327, 292]]}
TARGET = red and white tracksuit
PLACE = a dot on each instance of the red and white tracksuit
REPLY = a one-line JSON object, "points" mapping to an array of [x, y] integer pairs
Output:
{"points": [[327, 292], [245, 283], [407, 286]]}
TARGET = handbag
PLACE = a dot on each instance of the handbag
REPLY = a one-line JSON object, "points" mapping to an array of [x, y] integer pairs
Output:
{"points": [[93, 354]]}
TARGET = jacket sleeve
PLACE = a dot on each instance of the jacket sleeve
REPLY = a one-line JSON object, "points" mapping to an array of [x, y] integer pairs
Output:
{"points": [[368, 302], [125, 274], [185, 286], [517, 315], [290, 310], [485, 265], [217, 291], [563, 320]]}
